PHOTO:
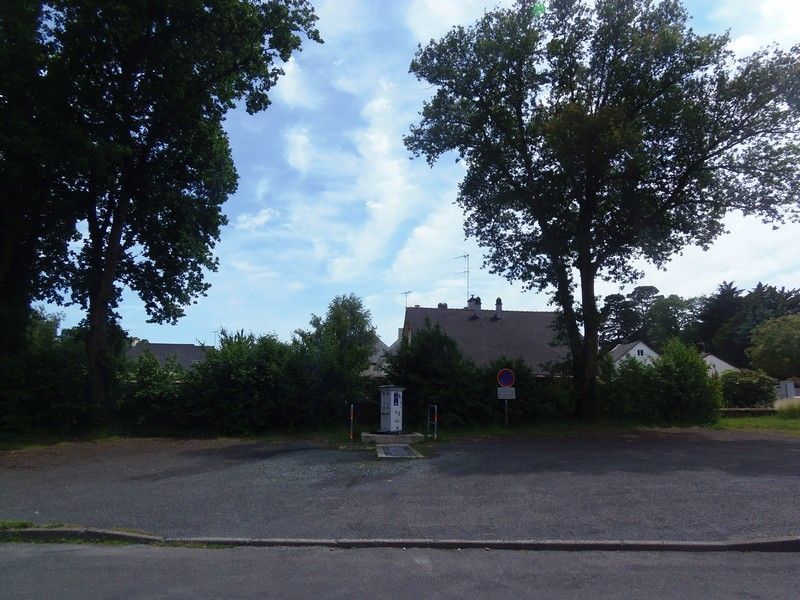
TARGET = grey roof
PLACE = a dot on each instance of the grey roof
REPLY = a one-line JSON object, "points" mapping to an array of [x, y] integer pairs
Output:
{"points": [[185, 354], [517, 334], [621, 350], [378, 351]]}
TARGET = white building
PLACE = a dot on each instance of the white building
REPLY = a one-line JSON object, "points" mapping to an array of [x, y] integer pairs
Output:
{"points": [[717, 366], [636, 350]]}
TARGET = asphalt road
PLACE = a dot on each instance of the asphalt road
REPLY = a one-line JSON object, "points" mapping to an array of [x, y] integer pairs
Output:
{"points": [[651, 486], [81, 572]]}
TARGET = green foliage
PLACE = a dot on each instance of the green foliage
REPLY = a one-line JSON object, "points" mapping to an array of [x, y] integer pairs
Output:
{"points": [[537, 397], [776, 347], [743, 388], [43, 385], [629, 394], [685, 391], [675, 388], [645, 315], [602, 133], [433, 370], [335, 351], [240, 387], [122, 105], [151, 400], [249, 384]]}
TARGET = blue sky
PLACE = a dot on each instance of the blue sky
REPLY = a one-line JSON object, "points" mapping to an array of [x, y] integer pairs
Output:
{"points": [[330, 203]]}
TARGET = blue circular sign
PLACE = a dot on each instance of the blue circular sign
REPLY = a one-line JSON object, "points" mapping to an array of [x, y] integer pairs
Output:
{"points": [[505, 378]]}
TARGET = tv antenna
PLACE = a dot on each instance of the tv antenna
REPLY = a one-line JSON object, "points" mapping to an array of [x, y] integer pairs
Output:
{"points": [[465, 271], [406, 295]]}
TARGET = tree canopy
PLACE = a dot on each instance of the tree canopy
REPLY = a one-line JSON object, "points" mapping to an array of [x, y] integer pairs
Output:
{"points": [[143, 87], [600, 133], [776, 347]]}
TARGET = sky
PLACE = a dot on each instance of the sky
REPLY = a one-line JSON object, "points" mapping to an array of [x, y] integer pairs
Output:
{"points": [[329, 201]]}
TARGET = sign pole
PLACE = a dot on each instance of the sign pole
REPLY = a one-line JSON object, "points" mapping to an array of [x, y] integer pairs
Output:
{"points": [[352, 416], [506, 412]]}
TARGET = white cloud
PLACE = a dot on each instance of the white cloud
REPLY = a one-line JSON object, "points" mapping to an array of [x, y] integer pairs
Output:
{"points": [[430, 19], [253, 221], [294, 89], [298, 148], [384, 185], [750, 253], [756, 24], [261, 188]]}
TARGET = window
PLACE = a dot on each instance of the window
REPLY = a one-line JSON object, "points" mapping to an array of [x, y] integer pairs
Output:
{"points": [[640, 352]]}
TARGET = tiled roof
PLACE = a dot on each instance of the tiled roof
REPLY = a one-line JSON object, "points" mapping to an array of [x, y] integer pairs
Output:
{"points": [[523, 334], [621, 350], [185, 354]]}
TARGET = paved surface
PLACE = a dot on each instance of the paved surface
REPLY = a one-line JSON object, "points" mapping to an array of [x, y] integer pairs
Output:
{"points": [[649, 486], [46, 571]]}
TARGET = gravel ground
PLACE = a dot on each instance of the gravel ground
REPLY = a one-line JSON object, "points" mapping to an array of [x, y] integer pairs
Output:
{"points": [[675, 485]]}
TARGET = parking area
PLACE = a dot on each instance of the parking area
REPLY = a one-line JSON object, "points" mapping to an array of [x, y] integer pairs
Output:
{"points": [[656, 485]]}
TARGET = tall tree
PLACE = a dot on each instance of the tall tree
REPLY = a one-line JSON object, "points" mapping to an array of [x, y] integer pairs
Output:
{"points": [[600, 133], [150, 82], [762, 303], [776, 346], [620, 322], [37, 218], [336, 350]]}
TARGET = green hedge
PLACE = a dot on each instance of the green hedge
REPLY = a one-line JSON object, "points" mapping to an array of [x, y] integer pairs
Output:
{"points": [[747, 389], [675, 388]]}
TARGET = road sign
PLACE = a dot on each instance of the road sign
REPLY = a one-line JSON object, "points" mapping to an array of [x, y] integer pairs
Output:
{"points": [[506, 393], [505, 378]]}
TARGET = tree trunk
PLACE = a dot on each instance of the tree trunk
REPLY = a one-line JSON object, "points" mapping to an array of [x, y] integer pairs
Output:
{"points": [[590, 353], [101, 292], [97, 360]]}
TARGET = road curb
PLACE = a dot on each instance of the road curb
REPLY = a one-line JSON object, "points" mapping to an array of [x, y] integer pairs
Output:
{"points": [[76, 534], [91, 535]]}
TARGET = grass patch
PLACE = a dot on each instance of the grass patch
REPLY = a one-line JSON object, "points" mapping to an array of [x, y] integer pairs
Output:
{"points": [[6, 525], [788, 408], [762, 423]]}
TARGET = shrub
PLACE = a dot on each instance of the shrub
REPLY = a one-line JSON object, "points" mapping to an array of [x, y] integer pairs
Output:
{"points": [[686, 393], [43, 386], [151, 401], [240, 387], [628, 393], [433, 370], [746, 389], [537, 397], [676, 388]]}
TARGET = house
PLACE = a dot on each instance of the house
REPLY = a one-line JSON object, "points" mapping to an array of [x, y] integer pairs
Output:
{"points": [[377, 360], [486, 335], [185, 354], [717, 366], [637, 350]]}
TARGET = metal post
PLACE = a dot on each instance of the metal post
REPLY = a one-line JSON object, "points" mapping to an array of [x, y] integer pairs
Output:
{"points": [[506, 403], [352, 418], [435, 421]]}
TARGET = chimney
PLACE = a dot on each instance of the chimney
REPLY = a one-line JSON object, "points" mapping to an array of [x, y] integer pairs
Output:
{"points": [[498, 309], [474, 304], [399, 333]]}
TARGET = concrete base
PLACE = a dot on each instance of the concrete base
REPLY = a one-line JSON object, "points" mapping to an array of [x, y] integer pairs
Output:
{"points": [[391, 451], [389, 438]]}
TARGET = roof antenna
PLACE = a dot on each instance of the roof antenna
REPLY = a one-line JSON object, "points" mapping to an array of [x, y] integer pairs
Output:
{"points": [[465, 272], [406, 295]]}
